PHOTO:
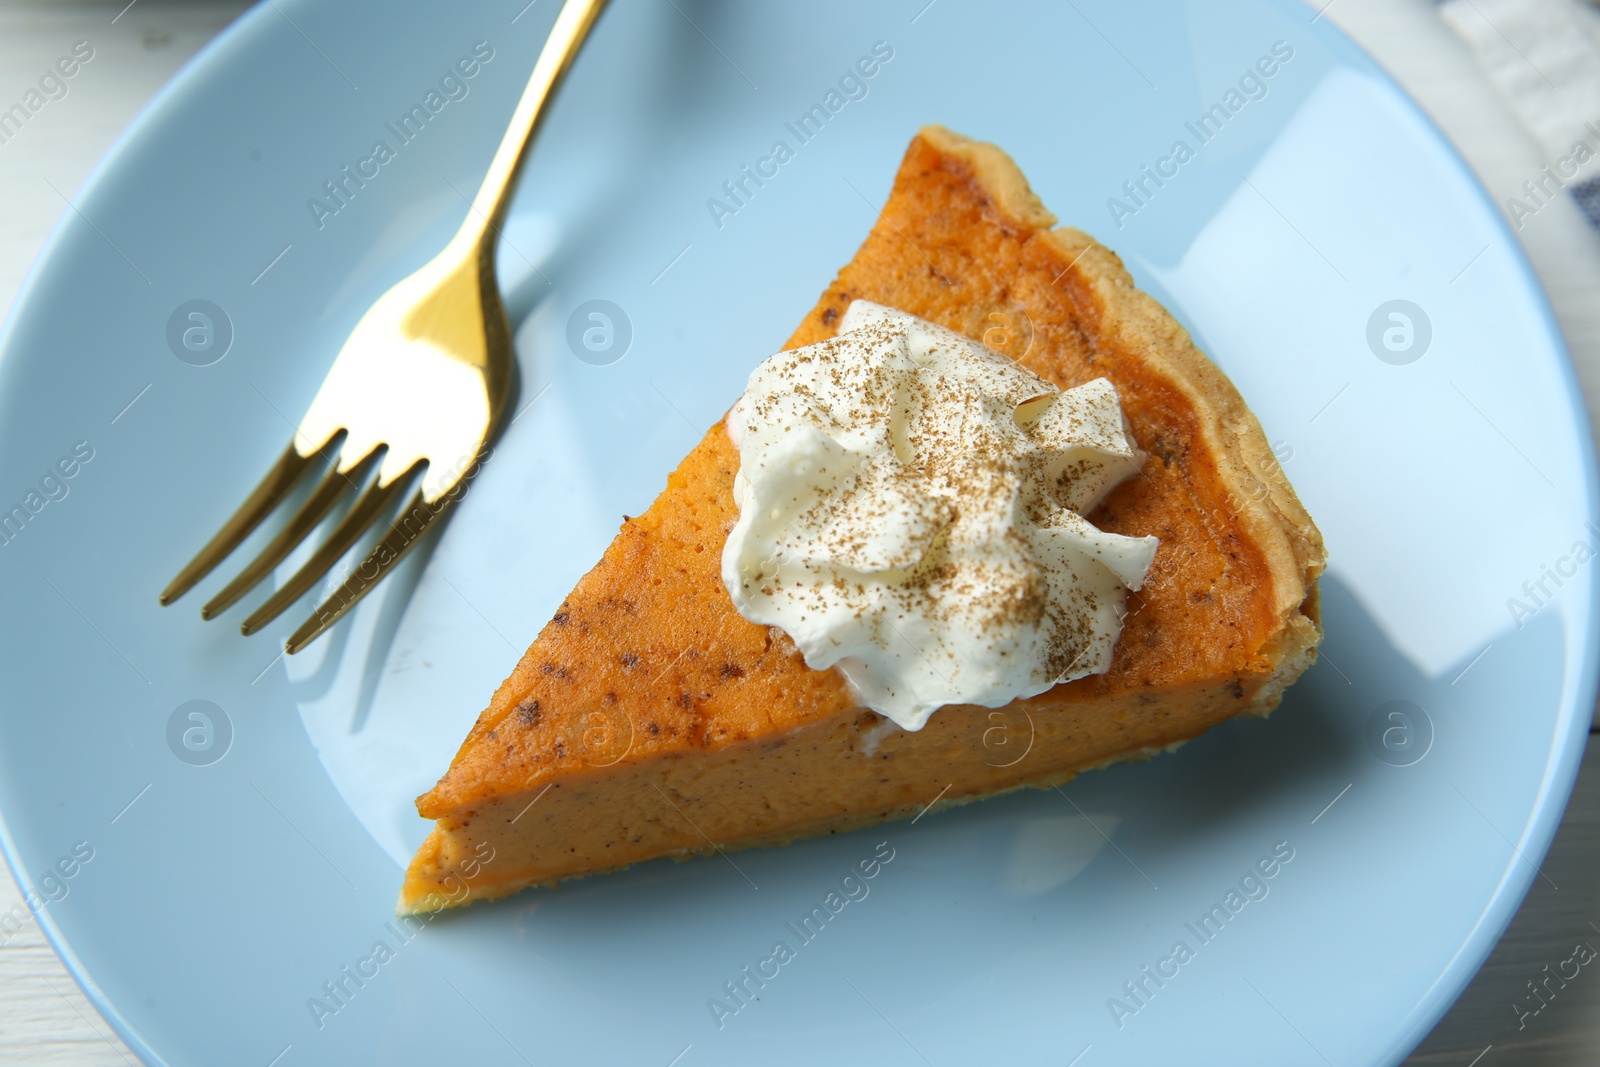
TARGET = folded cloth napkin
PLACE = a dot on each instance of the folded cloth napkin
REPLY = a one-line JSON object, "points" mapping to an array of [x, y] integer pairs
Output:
{"points": [[1544, 57]]}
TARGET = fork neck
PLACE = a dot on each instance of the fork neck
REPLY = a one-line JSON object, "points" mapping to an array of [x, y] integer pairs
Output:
{"points": [[481, 228]]}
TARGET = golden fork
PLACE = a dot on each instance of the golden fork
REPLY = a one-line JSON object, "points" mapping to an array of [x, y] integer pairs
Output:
{"points": [[418, 389]]}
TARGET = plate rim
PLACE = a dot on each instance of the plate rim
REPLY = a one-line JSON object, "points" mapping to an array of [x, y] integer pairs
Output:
{"points": [[1575, 715]]}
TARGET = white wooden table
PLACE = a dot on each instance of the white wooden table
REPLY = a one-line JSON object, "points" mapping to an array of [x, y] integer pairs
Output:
{"points": [[45, 1020]]}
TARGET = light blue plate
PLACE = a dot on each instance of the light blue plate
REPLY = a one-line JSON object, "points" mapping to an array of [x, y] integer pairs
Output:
{"points": [[1444, 453]]}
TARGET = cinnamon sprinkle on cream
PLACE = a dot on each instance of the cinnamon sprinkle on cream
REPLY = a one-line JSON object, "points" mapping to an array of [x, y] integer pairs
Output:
{"points": [[911, 511]]}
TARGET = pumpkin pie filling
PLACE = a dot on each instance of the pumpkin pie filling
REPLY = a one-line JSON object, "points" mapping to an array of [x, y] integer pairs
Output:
{"points": [[649, 718]]}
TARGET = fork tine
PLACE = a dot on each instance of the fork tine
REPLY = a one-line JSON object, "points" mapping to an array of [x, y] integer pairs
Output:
{"points": [[335, 484], [367, 510], [257, 506], [404, 534]]}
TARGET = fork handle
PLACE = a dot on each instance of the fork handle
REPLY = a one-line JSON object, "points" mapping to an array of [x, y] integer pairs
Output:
{"points": [[494, 195]]}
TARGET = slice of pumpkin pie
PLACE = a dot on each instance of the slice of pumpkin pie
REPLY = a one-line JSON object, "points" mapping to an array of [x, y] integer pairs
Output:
{"points": [[990, 519]]}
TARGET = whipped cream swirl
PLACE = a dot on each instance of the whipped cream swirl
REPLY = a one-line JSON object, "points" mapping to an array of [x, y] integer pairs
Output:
{"points": [[911, 511]]}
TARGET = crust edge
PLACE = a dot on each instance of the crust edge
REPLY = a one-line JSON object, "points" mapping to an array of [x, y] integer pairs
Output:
{"points": [[1257, 486]]}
